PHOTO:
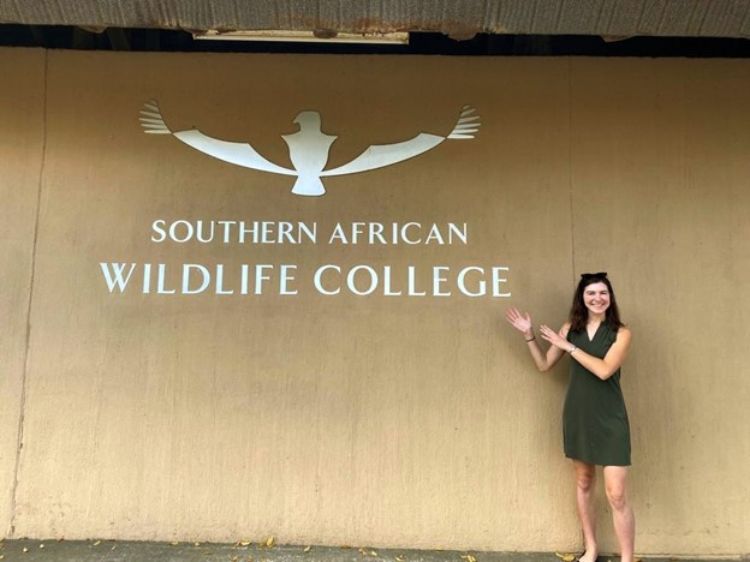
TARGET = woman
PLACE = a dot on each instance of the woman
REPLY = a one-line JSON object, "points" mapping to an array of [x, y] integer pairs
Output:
{"points": [[595, 422]]}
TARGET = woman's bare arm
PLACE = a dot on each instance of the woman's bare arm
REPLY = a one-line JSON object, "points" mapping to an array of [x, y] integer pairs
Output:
{"points": [[522, 322], [602, 368]]}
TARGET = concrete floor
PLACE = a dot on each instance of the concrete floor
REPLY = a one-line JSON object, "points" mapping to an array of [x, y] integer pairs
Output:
{"points": [[116, 551]]}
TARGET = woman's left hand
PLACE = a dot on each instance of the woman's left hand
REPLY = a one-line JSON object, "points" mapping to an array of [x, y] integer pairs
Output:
{"points": [[558, 339]]}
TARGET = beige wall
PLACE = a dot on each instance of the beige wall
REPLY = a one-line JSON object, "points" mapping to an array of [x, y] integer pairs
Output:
{"points": [[667, 169], [376, 420], [21, 148]]}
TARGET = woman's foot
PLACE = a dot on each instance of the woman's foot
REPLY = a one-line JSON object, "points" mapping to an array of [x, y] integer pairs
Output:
{"points": [[589, 556]]}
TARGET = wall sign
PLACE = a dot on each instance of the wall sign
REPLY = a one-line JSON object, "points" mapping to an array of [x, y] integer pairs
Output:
{"points": [[308, 148], [288, 279], [308, 152]]}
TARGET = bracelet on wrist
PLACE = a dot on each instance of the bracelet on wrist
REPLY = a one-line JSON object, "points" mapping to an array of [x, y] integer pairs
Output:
{"points": [[530, 340], [572, 349]]}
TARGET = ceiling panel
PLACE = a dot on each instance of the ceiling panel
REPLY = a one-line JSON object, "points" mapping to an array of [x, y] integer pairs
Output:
{"points": [[457, 18]]}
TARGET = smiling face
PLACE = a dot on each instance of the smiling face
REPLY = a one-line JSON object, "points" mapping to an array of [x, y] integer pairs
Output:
{"points": [[596, 298]]}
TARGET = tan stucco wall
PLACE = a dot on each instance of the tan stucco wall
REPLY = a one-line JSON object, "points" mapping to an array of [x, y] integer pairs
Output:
{"points": [[21, 146], [661, 169], [384, 420]]}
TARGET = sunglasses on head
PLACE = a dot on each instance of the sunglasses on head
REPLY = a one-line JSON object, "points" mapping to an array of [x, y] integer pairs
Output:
{"points": [[592, 275]]}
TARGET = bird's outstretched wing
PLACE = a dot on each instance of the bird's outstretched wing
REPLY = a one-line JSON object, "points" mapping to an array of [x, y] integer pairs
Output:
{"points": [[380, 155], [241, 154], [467, 124], [151, 119]]}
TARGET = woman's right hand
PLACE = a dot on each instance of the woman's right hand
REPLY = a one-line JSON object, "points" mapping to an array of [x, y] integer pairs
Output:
{"points": [[521, 322]]}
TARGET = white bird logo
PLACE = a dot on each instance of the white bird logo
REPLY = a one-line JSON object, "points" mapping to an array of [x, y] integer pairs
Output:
{"points": [[309, 147]]}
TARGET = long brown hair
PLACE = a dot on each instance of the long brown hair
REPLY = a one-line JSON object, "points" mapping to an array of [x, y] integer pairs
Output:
{"points": [[579, 314]]}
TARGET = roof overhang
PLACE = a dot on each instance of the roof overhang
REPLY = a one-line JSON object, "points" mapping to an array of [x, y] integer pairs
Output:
{"points": [[459, 19]]}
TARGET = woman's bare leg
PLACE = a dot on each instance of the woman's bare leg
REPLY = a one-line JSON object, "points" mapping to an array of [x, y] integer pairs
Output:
{"points": [[585, 477], [615, 483]]}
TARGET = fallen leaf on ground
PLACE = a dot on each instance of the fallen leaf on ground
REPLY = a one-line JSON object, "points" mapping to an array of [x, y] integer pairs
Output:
{"points": [[97, 543], [174, 543], [400, 558], [244, 543], [565, 557], [469, 558], [269, 541], [307, 549]]}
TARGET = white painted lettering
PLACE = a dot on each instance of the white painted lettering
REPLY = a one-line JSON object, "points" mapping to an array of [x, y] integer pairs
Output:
{"points": [[462, 233], [227, 230], [157, 227], [266, 232], [114, 277], [405, 230], [220, 281], [260, 277], [357, 228], [338, 234], [187, 268], [188, 231], [317, 280], [285, 232], [438, 280], [387, 283], [199, 232], [376, 231], [461, 281], [161, 274], [350, 280], [311, 234], [411, 276], [497, 280], [146, 278], [285, 278], [244, 273], [434, 234], [252, 231]]}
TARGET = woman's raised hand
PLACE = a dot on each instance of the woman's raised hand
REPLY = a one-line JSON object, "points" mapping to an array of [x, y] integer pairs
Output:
{"points": [[558, 339], [521, 322]]}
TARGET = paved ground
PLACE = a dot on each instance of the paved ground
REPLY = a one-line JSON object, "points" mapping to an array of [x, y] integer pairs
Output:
{"points": [[115, 551]]}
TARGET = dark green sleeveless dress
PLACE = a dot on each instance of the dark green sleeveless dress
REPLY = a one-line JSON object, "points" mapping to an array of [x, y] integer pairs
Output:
{"points": [[595, 421]]}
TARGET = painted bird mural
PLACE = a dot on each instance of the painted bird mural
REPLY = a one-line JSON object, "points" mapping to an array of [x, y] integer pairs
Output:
{"points": [[309, 148]]}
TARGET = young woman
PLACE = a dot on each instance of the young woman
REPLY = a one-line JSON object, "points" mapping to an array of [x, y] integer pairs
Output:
{"points": [[595, 422]]}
